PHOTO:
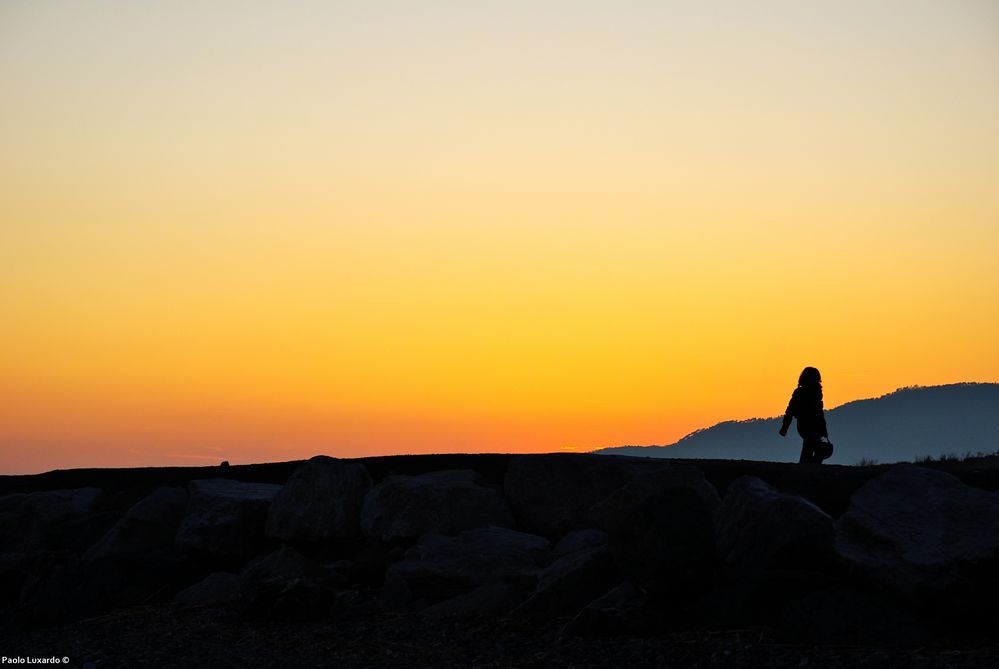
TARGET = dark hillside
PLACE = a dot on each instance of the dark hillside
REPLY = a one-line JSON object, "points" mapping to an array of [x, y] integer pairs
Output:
{"points": [[901, 426]]}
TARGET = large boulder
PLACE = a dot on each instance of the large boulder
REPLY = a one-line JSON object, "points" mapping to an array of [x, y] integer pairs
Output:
{"points": [[284, 564], [321, 501], [14, 569], [217, 588], [300, 600], [281, 585], [578, 540], [552, 494], [570, 582], [493, 598], [226, 517], [447, 502], [622, 505], [50, 594], [439, 567], [761, 528], [920, 532], [40, 587], [53, 520], [622, 610], [147, 529], [138, 556], [661, 526], [286, 586]]}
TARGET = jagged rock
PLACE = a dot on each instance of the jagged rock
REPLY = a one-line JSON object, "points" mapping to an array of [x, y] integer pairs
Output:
{"points": [[760, 528], [53, 505], [367, 566], [286, 586], [341, 572], [147, 528], [14, 569], [281, 585], [439, 567], [226, 517], [484, 552], [577, 540], [552, 494], [446, 502], [919, 531], [284, 564], [49, 593], [617, 508], [490, 599], [661, 528], [42, 586], [217, 588], [570, 582], [321, 501], [298, 600], [774, 549], [348, 600], [52, 520], [397, 595], [619, 611]]}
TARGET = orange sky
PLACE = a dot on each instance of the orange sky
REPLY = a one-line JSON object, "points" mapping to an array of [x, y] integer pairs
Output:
{"points": [[259, 233]]}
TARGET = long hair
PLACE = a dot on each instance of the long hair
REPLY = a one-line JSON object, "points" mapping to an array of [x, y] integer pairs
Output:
{"points": [[811, 379]]}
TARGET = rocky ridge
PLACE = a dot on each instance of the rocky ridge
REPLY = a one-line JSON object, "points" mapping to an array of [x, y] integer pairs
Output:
{"points": [[604, 546]]}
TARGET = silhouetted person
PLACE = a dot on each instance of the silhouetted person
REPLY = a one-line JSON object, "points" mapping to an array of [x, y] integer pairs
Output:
{"points": [[806, 406]]}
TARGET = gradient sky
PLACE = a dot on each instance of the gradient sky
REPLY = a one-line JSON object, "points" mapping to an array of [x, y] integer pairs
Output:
{"points": [[260, 231]]}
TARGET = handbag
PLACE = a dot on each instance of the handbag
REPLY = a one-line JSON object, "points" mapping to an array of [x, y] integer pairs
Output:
{"points": [[824, 449]]}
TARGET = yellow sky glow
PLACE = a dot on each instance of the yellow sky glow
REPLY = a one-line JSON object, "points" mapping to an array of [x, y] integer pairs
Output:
{"points": [[255, 232]]}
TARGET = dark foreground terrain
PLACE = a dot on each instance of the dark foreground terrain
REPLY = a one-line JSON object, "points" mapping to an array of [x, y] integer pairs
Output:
{"points": [[504, 561], [175, 636]]}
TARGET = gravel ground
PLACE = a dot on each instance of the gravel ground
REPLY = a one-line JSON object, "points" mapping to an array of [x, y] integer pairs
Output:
{"points": [[172, 636]]}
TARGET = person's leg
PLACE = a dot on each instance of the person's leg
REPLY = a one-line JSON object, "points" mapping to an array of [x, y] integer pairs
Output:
{"points": [[806, 453], [813, 453]]}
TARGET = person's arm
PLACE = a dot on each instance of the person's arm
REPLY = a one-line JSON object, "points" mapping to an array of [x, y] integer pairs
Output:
{"points": [[792, 409], [823, 432]]}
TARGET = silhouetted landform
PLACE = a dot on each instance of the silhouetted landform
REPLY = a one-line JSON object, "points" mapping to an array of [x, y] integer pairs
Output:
{"points": [[531, 560], [902, 426]]}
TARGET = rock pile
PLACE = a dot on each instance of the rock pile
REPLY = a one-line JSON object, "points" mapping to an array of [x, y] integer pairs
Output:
{"points": [[612, 545]]}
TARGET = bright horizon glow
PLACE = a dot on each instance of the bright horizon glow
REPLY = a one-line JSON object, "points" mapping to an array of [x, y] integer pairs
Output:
{"points": [[253, 232]]}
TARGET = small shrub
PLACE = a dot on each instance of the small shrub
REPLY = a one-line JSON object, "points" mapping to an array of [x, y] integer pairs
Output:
{"points": [[980, 455], [866, 462]]}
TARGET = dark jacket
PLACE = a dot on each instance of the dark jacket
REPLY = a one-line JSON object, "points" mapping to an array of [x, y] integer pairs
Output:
{"points": [[806, 406]]}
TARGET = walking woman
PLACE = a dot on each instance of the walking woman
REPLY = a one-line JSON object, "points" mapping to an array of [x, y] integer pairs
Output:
{"points": [[806, 407]]}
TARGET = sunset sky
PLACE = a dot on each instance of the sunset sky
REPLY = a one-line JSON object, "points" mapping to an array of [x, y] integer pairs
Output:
{"points": [[260, 231]]}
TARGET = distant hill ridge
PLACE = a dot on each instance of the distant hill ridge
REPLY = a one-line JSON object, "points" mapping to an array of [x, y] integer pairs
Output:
{"points": [[903, 425]]}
